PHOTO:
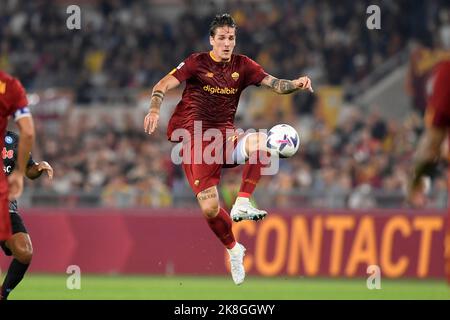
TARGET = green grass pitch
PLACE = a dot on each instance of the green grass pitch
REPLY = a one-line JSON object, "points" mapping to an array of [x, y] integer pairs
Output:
{"points": [[103, 287]]}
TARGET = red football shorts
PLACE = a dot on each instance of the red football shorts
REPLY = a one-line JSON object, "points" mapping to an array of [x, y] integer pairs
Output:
{"points": [[206, 159]]}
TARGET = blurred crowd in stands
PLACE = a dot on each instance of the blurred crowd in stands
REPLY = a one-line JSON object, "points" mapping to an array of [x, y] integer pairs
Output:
{"points": [[126, 44], [360, 162]]}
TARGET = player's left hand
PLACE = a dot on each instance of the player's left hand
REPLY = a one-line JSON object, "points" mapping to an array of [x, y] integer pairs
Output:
{"points": [[45, 166], [303, 83]]}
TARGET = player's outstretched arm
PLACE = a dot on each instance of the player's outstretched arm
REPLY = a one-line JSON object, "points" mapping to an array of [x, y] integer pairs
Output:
{"points": [[25, 123], [425, 160], [159, 90], [35, 171], [283, 86]]}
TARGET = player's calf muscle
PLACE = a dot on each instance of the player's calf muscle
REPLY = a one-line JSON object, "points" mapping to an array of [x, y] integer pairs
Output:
{"points": [[21, 247]]}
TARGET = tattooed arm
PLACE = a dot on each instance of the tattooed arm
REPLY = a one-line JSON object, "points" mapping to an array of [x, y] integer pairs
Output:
{"points": [[283, 86], [159, 90]]}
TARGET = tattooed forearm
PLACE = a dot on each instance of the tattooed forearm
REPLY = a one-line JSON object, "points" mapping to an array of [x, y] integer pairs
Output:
{"points": [[156, 101], [155, 104], [281, 86]]}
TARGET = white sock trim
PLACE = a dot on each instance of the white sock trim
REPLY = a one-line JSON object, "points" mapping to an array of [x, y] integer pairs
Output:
{"points": [[235, 249], [242, 200]]}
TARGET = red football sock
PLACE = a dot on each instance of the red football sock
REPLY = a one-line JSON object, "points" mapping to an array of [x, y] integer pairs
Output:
{"points": [[221, 226], [252, 173]]}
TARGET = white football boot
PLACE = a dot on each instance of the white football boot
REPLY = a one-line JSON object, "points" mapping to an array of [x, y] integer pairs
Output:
{"points": [[243, 210], [237, 263]]}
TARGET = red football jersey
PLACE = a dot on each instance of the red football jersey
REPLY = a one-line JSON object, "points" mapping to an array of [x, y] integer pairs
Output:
{"points": [[12, 97], [212, 91]]}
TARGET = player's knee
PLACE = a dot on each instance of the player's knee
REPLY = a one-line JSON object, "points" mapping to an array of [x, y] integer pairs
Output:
{"points": [[262, 141], [256, 142], [210, 210], [24, 254]]}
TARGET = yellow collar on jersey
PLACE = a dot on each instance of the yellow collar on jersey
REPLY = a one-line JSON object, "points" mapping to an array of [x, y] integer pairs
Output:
{"points": [[211, 54]]}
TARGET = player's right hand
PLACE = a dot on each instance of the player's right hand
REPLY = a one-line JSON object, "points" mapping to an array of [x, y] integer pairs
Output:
{"points": [[15, 182], [151, 122], [304, 83]]}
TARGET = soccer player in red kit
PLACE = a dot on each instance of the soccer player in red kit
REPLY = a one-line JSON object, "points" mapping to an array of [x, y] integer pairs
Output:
{"points": [[214, 83], [437, 125], [13, 102]]}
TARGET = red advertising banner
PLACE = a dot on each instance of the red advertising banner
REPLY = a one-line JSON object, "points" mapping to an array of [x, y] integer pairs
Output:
{"points": [[288, 242]]}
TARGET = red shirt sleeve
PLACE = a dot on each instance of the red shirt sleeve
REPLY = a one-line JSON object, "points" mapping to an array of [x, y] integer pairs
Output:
{"points": [[17, 96], [185, 69], [439, 100], [254, 73]]}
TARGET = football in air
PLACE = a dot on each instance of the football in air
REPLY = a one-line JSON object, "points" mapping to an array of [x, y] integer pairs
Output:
{"points": [[283, 141]]}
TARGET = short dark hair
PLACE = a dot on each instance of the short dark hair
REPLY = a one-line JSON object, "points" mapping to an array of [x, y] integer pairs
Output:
{"points": [[221, 20]]}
